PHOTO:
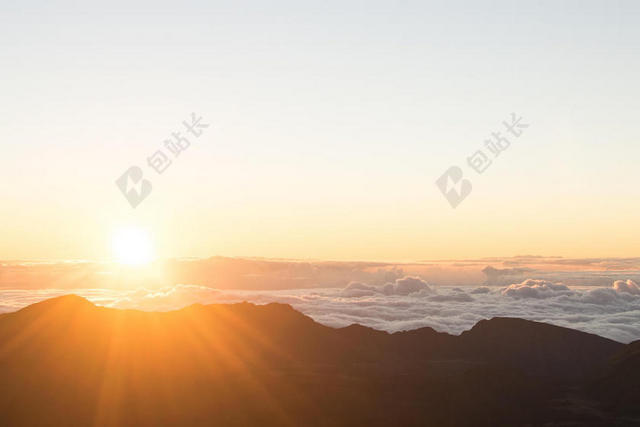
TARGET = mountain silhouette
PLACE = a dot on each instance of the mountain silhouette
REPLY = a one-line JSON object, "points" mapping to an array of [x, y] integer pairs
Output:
{"points": [[69, 362]]}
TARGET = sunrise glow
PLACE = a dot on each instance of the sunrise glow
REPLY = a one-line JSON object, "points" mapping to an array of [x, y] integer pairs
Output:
{"points": [[132, 246]]}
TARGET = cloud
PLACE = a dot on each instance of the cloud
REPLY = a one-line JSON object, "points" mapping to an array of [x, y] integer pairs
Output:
{"points": [[273, 274], [600, 296], [358, 289], [460, 297], [621, 290], [497, 276], [532, 288], [408, 285], [628, 286], [403, 286]]}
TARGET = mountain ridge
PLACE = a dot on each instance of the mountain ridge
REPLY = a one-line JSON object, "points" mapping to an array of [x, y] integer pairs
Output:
{"points": [[269, 364]]}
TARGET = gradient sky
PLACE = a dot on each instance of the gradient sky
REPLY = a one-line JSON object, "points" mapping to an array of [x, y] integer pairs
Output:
{"points": [[330, 124]]}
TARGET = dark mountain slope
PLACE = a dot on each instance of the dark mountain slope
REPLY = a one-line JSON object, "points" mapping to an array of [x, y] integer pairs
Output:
{"points": [[67, 362], [619, 386], [537, 348]]}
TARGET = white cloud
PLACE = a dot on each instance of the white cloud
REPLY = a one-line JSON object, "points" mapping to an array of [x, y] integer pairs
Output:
{"points": [[532, 288], [407, 286], [403, 286], [628, 286], [600, 296], [458, 297]]}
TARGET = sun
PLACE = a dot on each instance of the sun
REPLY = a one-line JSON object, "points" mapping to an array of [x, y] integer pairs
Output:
{"points": [[132, 246]]}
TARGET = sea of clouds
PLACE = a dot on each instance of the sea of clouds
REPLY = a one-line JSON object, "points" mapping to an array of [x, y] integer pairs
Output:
{"points": [[403, 304]]}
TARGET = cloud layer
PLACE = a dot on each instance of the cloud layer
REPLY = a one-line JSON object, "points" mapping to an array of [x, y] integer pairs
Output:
{"points": [[272, 274], [403, 304]]}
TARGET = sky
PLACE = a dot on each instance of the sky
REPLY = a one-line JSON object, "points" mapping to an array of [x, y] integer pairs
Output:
{"points": [[329, 125]]}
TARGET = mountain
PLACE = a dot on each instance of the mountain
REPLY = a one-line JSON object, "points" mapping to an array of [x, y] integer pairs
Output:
{"points": [[537, 348], [619, 386], [68, 362]]}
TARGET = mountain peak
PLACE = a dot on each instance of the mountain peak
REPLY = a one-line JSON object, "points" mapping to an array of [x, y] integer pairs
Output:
{"points": [[65, 301]]}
